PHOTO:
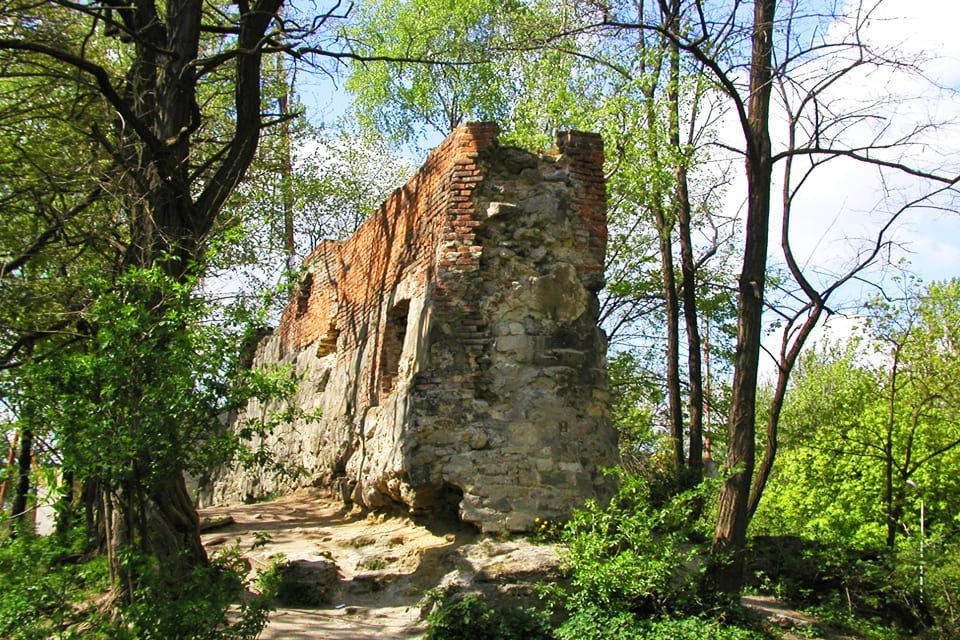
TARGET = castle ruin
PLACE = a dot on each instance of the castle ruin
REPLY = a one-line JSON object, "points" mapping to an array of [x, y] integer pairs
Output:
{"points": [[452, 343]]}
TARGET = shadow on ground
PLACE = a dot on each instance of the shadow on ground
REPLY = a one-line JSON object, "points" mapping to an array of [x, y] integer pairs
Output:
{"points": [[386, 563]]}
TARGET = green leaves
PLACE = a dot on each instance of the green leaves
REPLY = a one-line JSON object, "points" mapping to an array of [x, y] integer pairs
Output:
{"points": [[455, 616], [638, 569], [148, 388], [40, 593], [635, 556], [441, 73], [865, 418]]}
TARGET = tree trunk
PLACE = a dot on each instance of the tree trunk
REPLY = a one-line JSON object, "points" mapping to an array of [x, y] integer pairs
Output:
{"points": [[18, 511], [8, 468], [894, 512], [892, 506], [663, 220], [672, 312], [787, 363], [173, 526], [694, 353], [65, 509], [171, 215], [732, 517], [687, 264]]}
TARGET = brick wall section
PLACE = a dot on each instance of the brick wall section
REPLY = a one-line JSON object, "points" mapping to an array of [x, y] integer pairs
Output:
{"points": [[428, 225], [585, 151]]}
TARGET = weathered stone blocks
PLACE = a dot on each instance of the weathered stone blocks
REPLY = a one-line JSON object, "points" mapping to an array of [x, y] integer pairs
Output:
{"points": [[452, 343]]}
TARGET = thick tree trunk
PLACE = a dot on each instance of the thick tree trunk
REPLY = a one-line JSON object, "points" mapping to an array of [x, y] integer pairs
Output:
{"points": [[93, 517], [152, 512], [171, 206], [160, 523], [732, 517], [173, 526]]}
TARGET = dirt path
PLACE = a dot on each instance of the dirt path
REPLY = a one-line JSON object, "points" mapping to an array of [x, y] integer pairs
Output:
{"points": [[386, 564]]}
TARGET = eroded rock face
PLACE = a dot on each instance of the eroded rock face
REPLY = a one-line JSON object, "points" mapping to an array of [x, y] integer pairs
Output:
{"points": [[452, 344]]}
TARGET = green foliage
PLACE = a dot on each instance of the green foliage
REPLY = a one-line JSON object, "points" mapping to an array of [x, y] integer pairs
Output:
{"points": [[48, 588], [872, 594], [637, 555], [395, 97], [941, 594], [196, 608], [107, 402], [897, 599], [547, 531], [638, 569], [341, 181], [818, 492], [696, 629], [599, 624], [871, 427], [40, 582], [596, 625], [332, 181], [869, 605], [802, 571], [455, 616], [636, 395], [841, 587], [155, 377], [871, 433], [141, 399]]}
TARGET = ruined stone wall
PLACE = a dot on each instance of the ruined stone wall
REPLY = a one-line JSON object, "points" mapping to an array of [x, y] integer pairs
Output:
{"points": [[452, 345]]}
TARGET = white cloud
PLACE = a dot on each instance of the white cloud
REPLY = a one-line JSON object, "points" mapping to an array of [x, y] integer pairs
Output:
{"points": [[845, 204], [922, 27]]}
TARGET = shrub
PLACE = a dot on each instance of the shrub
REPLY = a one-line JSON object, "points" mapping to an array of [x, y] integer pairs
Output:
{"points": [[596, 624], [806, 571], [694, 629], [875, 594], [638, 569], [943, 589], [49, 589], [455, 616], [632, 556], [196, 609], [40, 580], [937, 608]]}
